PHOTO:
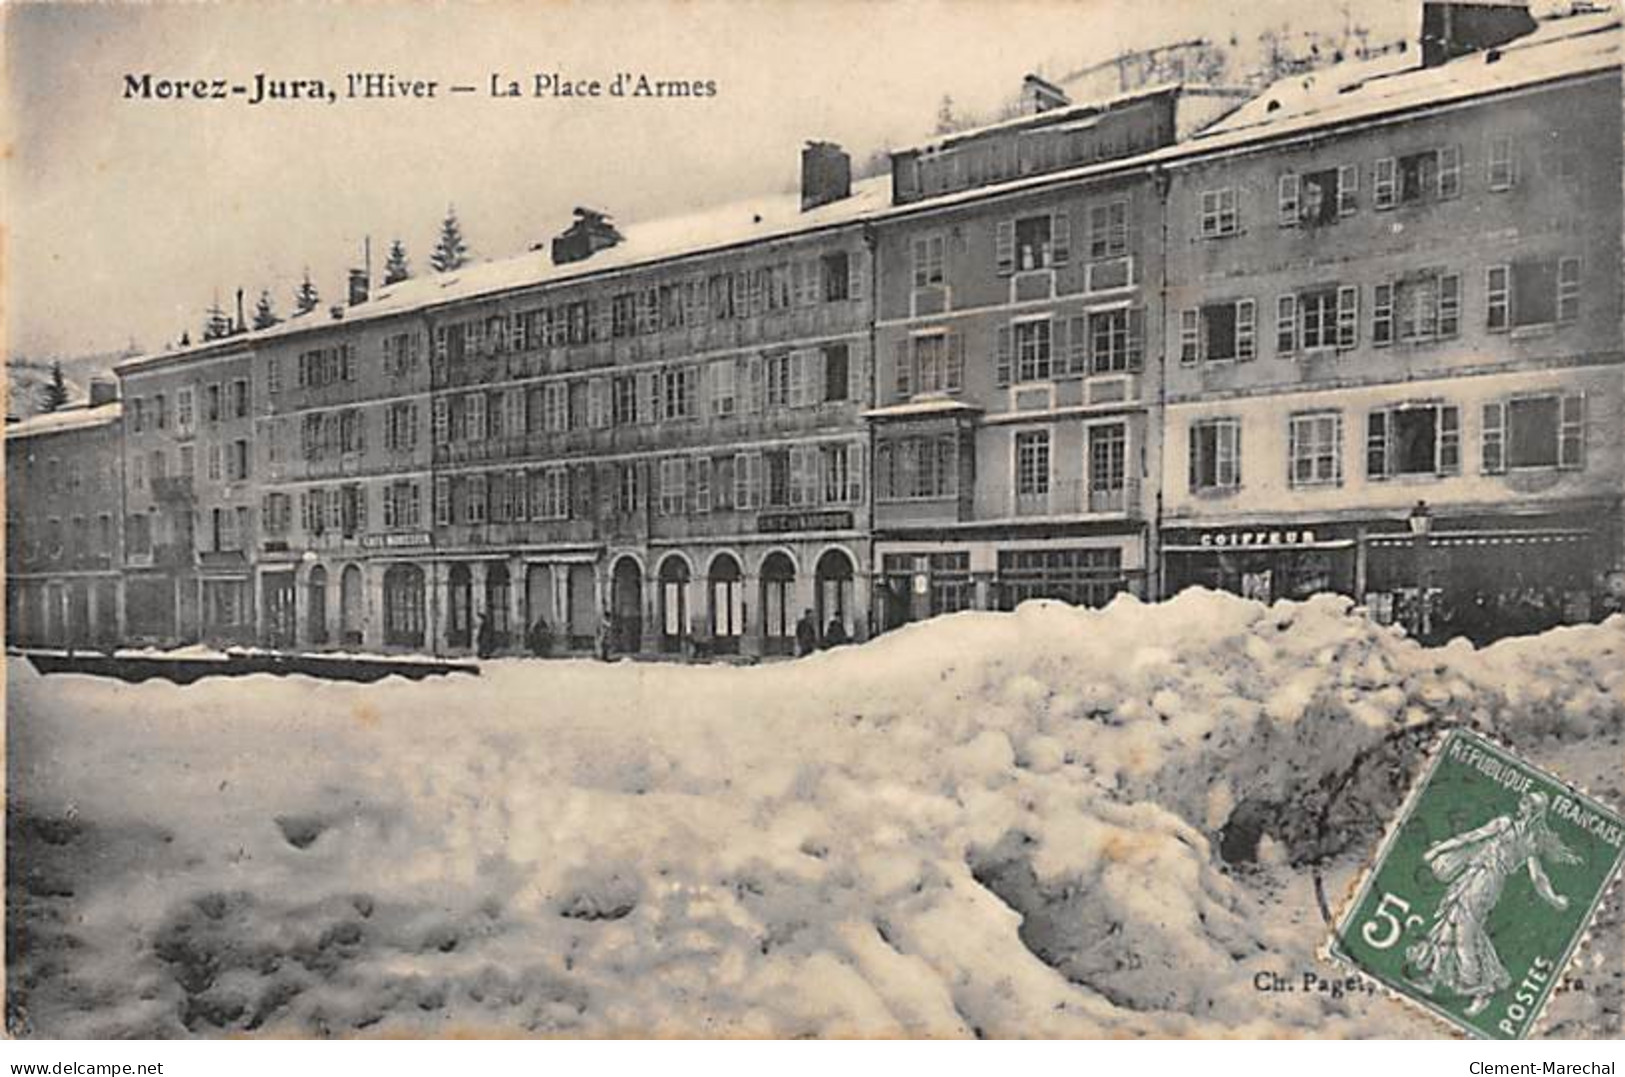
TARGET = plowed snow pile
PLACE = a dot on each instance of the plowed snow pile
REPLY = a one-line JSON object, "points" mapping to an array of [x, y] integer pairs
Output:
{"points": [[1052, 822]]}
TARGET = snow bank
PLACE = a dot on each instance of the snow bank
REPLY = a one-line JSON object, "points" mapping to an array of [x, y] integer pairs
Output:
{"points": [[989, 824]]}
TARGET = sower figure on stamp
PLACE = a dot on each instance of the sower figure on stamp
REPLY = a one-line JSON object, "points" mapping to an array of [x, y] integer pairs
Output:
{"points": [[1458, 952]]}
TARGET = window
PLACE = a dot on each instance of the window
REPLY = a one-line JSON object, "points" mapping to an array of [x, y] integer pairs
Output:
{"points": [[837, 372], [138, 533], [776, 380], [212, 396], [1315, 449], [185, 416], [841, 468], [776, 466], [1032, 462], [1417, 177], [724, 399], [475, 503], [623, 400], [550, 494], [400, 353], [1115, 340], [1421, 307], [623, 315], [442, 501], [214, 463], [1220, 216], [1032, 340], [1532, 292], [188, 469], [1215, 455], [239, 398], [1534, 432], [629, 499], [401, 427], [836, 274], [673, 486], [160, 411], [276, 513], [273, 375], [1034, 243], [936, 364], [1108, 460], [138, 414], [917, 468], [680, 390], [928, 261], [1503, 165], [1218, 332], [239, 460], [1320, 318], [1319, 197], [1108, 230], [1413, 439], [401, 506]]}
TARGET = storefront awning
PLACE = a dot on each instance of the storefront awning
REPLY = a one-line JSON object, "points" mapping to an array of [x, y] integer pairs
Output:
{"points": [[1486, 538]]}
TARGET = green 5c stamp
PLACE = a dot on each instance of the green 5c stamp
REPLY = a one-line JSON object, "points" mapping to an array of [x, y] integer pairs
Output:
{"points": [[1481, 893]]}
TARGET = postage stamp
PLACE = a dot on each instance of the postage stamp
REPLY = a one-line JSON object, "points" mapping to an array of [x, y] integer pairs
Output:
{"points": [[1482, 891]]}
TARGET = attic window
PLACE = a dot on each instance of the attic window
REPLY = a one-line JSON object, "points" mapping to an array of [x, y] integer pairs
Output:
{"points": [[1492, 56], [1273, 106]]}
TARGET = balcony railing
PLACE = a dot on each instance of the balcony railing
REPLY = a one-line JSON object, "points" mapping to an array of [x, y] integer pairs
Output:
{"points": [[173, 488], [1076, 497]]}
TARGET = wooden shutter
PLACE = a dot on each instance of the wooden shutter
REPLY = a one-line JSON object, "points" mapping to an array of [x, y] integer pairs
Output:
{"points": [[1348, 316], [1348, 190], [1449, 458], [441, 421], [1058, 349], [903, 364], [1288, 191], [1571, 432], [1136, 338], [855, 277], [1376, 445], [1077, 354], [954, 375], [1061, 236], [856, 356], [1004, 248], [1246, 330], [1190, 336], [1005, 356]]}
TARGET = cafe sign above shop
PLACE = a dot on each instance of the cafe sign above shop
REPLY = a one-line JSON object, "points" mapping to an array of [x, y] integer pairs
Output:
{"points": [[397, 539], [804, 521]]}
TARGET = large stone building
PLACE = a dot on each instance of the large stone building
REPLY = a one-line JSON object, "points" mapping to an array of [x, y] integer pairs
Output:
{"points": [[1393, 302], [1360, 332], [1016, 444], [63, 532]]}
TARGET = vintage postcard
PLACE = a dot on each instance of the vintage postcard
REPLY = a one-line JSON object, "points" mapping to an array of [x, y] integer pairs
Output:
{"points": [[814, 520]]}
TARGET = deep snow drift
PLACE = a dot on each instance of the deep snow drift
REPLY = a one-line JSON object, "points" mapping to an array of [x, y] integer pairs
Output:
{"points": [[1052, 822]]}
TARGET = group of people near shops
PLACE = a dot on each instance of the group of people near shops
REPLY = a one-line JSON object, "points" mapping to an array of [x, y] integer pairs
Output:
{"points": [[539, 637]]}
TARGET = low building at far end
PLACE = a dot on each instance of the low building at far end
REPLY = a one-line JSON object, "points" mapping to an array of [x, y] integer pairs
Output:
{"points": [[63, 532]]}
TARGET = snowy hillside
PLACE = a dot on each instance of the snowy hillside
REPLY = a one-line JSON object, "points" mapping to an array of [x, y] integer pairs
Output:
{"points": [[987, 825]]}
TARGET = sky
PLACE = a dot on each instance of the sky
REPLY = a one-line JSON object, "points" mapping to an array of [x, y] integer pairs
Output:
{"points": [[127, 217]]}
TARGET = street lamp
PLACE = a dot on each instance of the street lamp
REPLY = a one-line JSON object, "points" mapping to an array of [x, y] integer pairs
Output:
{"points": [[1421, 523]]}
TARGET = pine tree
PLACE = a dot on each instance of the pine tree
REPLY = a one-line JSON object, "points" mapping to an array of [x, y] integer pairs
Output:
{"points": [[306, 298], [54, 393], [396, 269], [451, 252], [265, 314]]}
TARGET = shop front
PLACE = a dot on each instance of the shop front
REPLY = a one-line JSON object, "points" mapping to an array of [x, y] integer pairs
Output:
{"points": [[1482, 577], [1265, 562]]}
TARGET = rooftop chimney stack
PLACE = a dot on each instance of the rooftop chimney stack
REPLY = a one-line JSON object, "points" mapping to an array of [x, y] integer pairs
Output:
{"points": [[102, 391], [1040, 95], [591, 232], [359, 287], [242, 322], [1452, 28], [826, 175]]}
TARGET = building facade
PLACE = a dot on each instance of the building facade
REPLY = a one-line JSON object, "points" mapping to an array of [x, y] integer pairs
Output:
{"points": [[1019, 339], [1394, 327], [191, 492], [1358, 333], [63, 533]]}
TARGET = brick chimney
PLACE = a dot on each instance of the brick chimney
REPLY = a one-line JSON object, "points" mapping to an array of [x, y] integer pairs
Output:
{"points": [[102, 391], [591, 232], [359, 286], [826, 174], [1452, 28]]}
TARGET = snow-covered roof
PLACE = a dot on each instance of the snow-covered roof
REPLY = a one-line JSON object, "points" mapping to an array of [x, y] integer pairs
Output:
{"points": [[1075, 113], [1337, 95], [764, 217], [1349, 91], [68, 418]]}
